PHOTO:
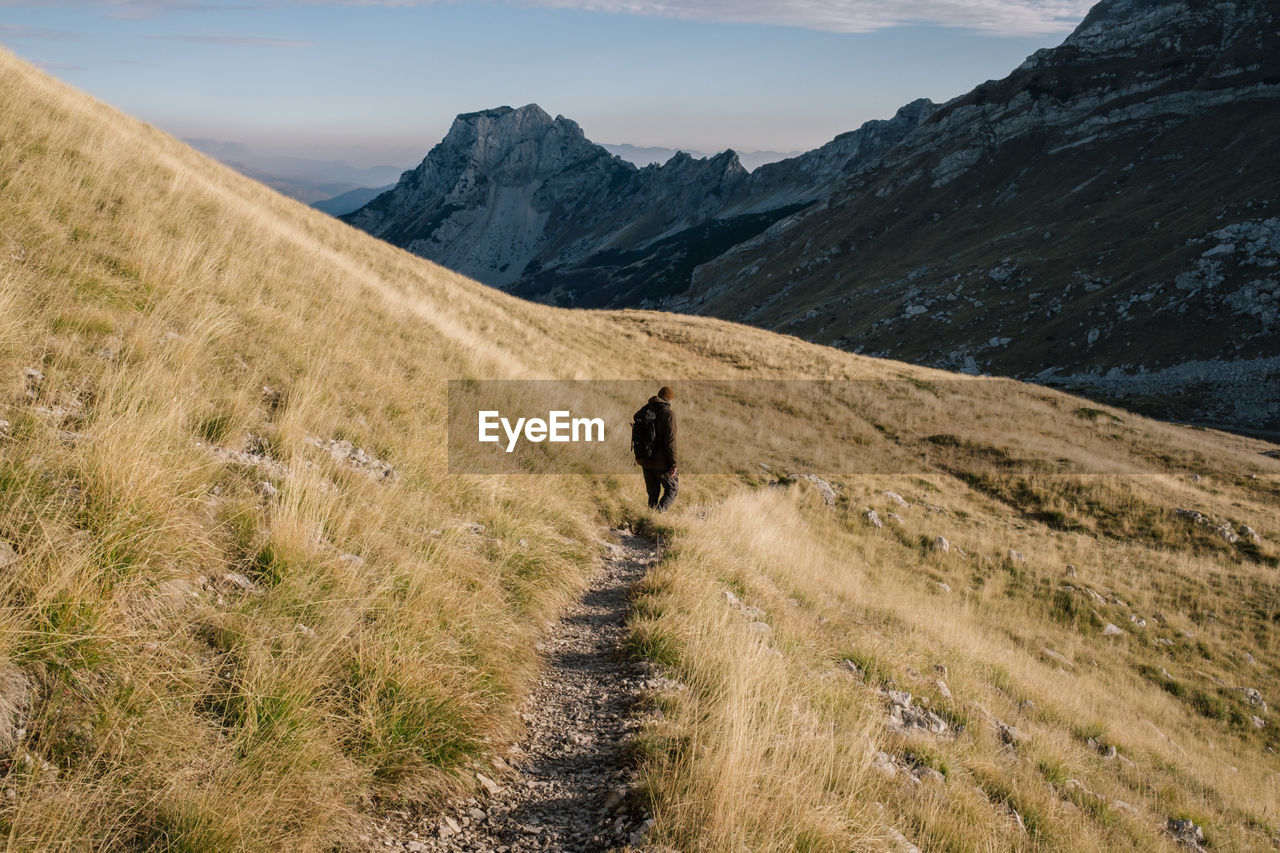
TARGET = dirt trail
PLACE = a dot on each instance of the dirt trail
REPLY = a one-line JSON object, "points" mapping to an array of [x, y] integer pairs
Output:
{"points": [[562, 787]]}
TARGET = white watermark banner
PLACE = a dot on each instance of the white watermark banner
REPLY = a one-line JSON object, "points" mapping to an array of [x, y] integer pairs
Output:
{"points": [[777, 427]]}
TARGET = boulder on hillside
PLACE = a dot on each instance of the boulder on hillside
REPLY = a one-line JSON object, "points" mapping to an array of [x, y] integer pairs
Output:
{"points": [[823, 487], [1186, 832]]}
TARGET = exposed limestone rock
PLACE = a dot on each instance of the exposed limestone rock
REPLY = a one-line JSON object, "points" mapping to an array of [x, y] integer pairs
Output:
{"points": [[1186, 832], [900, 842], [344, 452], [447, 829], [906, 718], [638, 837], [1223, 530], [884, 763], [254, 455], [753, 613], [823, 487], [15, 706], [491, 787], [1057, 658], [925, 773], [1252, 696], [240, 580], [1010, 735], [32, 380]]}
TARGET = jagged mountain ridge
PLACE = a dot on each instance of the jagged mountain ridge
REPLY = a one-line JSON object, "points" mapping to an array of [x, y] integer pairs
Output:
{"points": [[1104, 217], [515, 198]]}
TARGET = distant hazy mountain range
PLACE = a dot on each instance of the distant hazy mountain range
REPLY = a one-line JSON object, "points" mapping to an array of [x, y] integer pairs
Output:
{"points": [[309, 181], [336, 187], [647, 156], [350, 200], [1107, 217]]}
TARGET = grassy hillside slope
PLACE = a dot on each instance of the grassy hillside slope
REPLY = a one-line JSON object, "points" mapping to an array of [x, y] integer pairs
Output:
{"points": [[242, 604]]}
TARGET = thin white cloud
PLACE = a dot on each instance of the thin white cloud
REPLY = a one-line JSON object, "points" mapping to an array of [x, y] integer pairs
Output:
{"points": [[1003, 17], [59, 66], [17, 32], [139, 10], [133, 10], [234, 40]]}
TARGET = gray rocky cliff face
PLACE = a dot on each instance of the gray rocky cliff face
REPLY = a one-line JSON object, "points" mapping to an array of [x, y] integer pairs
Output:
{"points": [[510, 195], [817, 173], [1129, 63], [481, 201]]}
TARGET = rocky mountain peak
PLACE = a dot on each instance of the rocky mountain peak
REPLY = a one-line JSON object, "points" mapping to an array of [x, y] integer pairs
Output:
{"points": [[916, 111], [511, 195], [1121, 27], [488, 138], [725, 165], [528, 117]]}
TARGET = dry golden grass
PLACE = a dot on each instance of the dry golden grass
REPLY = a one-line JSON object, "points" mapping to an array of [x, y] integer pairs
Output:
{"points": [[722, 759], [177, 315]]}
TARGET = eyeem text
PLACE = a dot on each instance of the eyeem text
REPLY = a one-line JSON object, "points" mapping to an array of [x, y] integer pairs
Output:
{"points": [[559, 426]]}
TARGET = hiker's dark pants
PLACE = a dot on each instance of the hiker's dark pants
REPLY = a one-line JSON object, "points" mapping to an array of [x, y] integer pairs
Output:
{"points": [[662, 488]]}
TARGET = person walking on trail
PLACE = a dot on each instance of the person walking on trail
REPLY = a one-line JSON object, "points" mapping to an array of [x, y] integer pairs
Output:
{"points": [[653, 441]]}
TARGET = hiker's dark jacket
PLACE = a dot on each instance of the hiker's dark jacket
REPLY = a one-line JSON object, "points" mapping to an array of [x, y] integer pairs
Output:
{"points": [[664, 454]]}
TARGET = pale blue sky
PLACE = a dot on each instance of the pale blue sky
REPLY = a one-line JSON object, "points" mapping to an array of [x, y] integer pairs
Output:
{"points": [[374, 82]]}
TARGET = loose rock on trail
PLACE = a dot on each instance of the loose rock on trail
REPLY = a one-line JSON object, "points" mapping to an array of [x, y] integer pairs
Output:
{"points": [[564, 787]]}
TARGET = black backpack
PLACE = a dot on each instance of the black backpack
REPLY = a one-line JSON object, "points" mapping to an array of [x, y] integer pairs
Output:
{"points": [[644, 433]]}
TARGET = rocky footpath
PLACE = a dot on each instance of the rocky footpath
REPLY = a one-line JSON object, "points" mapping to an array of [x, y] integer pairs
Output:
{"points": [[566, 785]]}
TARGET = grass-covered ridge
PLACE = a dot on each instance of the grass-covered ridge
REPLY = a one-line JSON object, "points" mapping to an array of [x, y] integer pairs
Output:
{"points": [[240, 598]]}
